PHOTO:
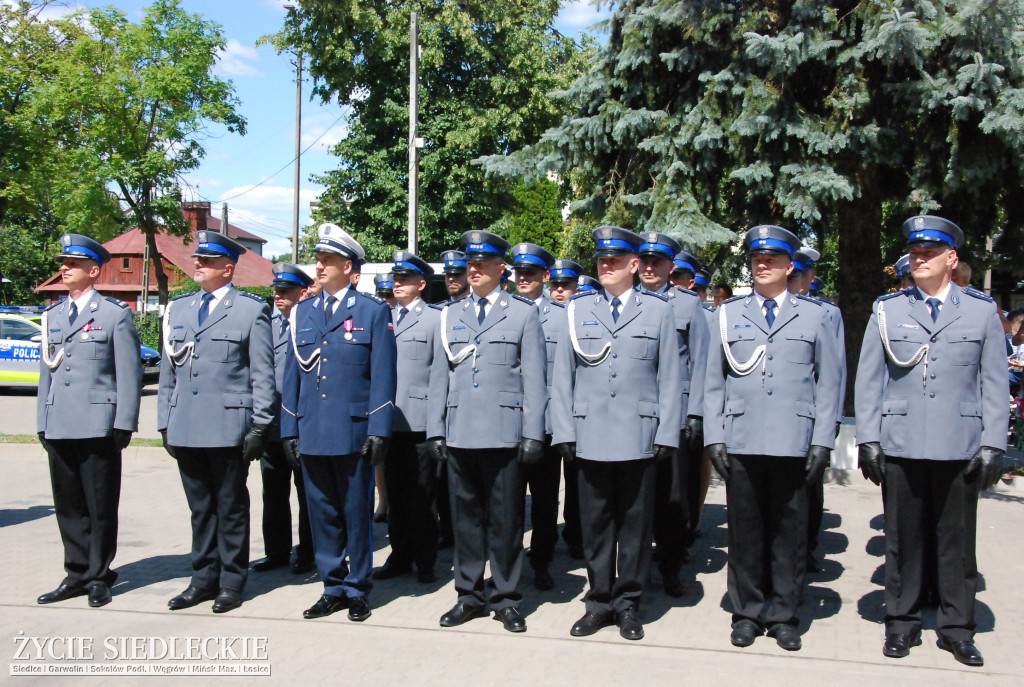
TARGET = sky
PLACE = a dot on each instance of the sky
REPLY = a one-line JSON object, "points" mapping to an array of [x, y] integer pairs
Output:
{"points": [[253, 173]]}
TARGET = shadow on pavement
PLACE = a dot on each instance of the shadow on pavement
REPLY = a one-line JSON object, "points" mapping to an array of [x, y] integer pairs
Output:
{"points": [[151, 570], [17, 516]]}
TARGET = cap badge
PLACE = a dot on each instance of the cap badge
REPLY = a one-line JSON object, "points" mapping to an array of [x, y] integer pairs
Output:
{"points": [[652, 237], [65, 240], [201, 235], [763, 232], [919, 222], [476, 237]]}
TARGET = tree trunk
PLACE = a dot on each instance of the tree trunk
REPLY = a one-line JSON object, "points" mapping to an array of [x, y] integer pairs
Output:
{"points": [[860, 273]]}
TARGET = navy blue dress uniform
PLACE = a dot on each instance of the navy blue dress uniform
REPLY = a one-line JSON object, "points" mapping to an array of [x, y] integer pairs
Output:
{"points": [[542, 477], [90, 382], [216, 392], [616, 406], [769, 421], [931, 406], [673, 526], [486, 409], [277, 472], [409, 471], [339, 401]]}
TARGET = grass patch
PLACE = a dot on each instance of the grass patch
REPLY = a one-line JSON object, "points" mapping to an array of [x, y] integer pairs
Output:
{"points": [[138, 442]]}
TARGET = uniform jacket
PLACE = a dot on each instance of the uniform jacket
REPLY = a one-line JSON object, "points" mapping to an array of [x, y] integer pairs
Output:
{"points": [[959, 403], [350, 393], [97, 386], [840, 333], [618, 409], [282, 340], [789, 401], [551, 315], [497, 397], [415, 339], [225, 382], [692, 337]]}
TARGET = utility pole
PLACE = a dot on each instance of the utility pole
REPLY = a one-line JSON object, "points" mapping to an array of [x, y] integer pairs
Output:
{"points": [[298, 148], [414, 108]]}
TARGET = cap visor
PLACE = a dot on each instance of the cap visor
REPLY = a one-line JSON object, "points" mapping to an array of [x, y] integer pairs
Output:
{"points": [[484, 256], [611, 252]]}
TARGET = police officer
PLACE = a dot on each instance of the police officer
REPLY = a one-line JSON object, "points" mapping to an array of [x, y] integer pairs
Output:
{"points": [[800, 280], [90, 381], [817, 289], [672, 511], [455, 278], [903, 272], [214, 409], [620, 415], [533, 267], [588, 283], [769, 423], [931, 425], [409, 471], [290, 284], [384, 285], [338, 402], [562, 284], [486, 409]]}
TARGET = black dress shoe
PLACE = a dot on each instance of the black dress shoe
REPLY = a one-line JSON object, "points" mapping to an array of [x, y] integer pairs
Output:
{"points": [[325, 606], [673, 585], [269, 563], [963, 651], [301, 566], [425, 575], [192, 596], [629, 624], [813, 566], [590, 623], [227, 600], [542, 579], [391, 569], [460, 614], [897, 644], [511, 619], [62, 593], [358, 608], [786, 636], [99, 594], [744, 632]]}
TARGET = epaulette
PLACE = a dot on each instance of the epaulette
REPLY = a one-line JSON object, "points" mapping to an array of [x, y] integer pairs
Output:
{"points": [[980, 295], [120, 304], [184, 295], [887, 296], [730, 300], [707, 307], [306, 298], [52, 306], [523, 299], [582, 294], [372, 297], [253, 296], [807, 298], [557, 304], [438, 306], [655, 294], [692, 293]]}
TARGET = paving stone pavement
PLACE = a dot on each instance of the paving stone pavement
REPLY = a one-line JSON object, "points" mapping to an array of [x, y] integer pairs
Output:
{"points": [[687, 639]]}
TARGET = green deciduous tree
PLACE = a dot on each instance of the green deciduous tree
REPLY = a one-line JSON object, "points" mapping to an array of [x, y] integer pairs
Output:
{"points": [[487, 70]]}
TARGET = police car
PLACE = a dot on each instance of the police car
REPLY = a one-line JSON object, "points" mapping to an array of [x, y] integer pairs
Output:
{"points": [[20, 334]]}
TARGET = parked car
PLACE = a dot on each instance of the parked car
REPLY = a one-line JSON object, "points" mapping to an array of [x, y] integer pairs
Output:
{"points": [[20, 334]]}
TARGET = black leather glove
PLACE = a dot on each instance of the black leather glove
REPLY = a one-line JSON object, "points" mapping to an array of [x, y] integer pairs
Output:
{"points": [[252, 444], [817, 461], [437, 447], [720, 459], [167, 447], [694, 435], [121, 437], [990, 461], [375, 448], [871, 461], [530, 451], [839, 428], [663, 452], [567, 451], [291, 452]]}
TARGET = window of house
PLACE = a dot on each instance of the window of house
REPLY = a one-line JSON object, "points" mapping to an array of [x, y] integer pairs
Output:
{"points": [[126, 264]]}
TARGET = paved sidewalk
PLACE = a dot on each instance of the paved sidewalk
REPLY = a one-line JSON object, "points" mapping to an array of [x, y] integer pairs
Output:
{"points": [[687, 639]]}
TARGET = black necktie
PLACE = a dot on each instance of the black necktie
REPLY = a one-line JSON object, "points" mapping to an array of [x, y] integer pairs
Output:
{"points": [[483, 311], [204, 308], [329, 308], [73, 313], [769, 311], [615, 308], [401, 315], [934, 304]]}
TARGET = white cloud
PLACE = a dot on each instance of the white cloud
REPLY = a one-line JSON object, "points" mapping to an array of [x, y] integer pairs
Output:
{"points": [[581, 14], [323, 124], [237, 60], [271, 200]]}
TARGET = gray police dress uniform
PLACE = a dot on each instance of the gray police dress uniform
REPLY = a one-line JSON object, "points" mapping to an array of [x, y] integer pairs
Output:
{"points": [[219, 382], [930, 417], [93, 389], [616, 408], [767, 418], [490, 400]]}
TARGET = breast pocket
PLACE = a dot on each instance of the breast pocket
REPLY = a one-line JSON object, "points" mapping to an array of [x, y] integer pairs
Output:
{"points": [[226, 346], [591, 340], [643, 346], [413, 345], [964, 346], [502, 349], [799, 346], [457, 339], [905, 342], [95, 343], [742, 342]]}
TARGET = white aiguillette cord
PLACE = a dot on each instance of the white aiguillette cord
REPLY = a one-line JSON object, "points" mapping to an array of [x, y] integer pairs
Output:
{"points": [[921, 354], [590, 359], [177, 357], [52, 363], [745, 368], [461, 355], [305, 364]]}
